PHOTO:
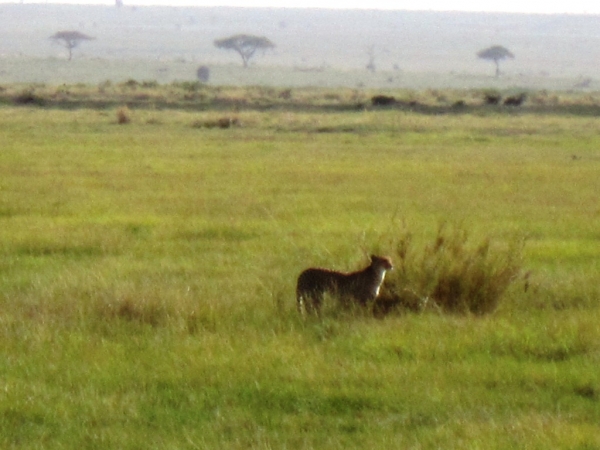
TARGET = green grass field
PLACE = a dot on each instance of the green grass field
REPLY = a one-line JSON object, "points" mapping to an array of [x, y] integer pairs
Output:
{"points": [[147, 275]]}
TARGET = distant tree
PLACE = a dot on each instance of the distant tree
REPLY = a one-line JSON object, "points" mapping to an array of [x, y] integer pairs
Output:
{"points": [[118, 3], [70, 40], [203, 73], [495, 53], [371, 64], [246, 45]]}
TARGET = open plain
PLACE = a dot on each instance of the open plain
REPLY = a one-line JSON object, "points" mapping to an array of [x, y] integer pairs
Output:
{"points": [[151, 236]]}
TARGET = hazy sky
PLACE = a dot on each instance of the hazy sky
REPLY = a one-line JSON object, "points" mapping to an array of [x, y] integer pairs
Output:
{"points": [[526, 6]]}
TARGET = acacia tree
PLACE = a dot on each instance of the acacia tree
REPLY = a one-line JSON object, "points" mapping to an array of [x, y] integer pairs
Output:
{"points": [[495, 53], [371, 64], [246, 45], [70, 40]]}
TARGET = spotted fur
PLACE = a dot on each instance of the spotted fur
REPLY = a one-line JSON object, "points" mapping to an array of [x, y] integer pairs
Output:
{"points": [[360, 287]]}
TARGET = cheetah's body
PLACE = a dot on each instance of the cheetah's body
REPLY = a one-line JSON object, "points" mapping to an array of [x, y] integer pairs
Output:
{"points": [[359, 287]]}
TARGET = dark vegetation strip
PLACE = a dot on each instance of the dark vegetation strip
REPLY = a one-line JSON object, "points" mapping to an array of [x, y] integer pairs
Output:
{"points": [[199, 97]]}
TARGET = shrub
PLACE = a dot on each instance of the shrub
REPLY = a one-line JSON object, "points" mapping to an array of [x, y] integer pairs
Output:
{"points": [[131, 84], [123, 115], [382, 100], [28, 97], [286, 94], [104, 87], [150, 84], [450, 274], [189, 86], [203, 74], [492, 98], [515, 100]]}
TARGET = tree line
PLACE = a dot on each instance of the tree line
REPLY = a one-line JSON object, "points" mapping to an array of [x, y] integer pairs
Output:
{"points": [[246, 45]]}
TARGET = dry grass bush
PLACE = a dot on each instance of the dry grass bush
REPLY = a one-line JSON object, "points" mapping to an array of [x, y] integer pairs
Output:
{"points": [[451, 274], [123, 115], [136, 310], [154, 308]]}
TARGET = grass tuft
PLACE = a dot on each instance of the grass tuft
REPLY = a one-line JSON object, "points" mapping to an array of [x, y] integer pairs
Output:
{"points": [[131, 310], [451, 273], [123, 115], [221, 122]]}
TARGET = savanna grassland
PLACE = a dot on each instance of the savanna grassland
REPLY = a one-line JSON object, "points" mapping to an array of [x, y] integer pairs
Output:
{"points": [[148, 256]]}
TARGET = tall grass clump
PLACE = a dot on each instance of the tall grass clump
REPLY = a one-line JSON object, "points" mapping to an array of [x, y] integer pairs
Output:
{"points": [[123, 115], [452, 273]]}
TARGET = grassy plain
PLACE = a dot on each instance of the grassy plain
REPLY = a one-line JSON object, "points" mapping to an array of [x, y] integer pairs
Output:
{"points": [[147, 274], [57, 71]]}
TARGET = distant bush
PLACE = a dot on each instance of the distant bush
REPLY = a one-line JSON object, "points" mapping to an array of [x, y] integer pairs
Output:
{"points": [[151, 84], [382, 100], [131, 83], [28, 97], [286, 94], [123, 115], [203, 74], [189, 86], [104, 86], [515, 100], [492, 98], [451, 274]]}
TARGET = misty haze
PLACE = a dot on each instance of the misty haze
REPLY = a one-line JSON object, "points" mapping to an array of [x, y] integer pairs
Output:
{"points": [[312, 47]]}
